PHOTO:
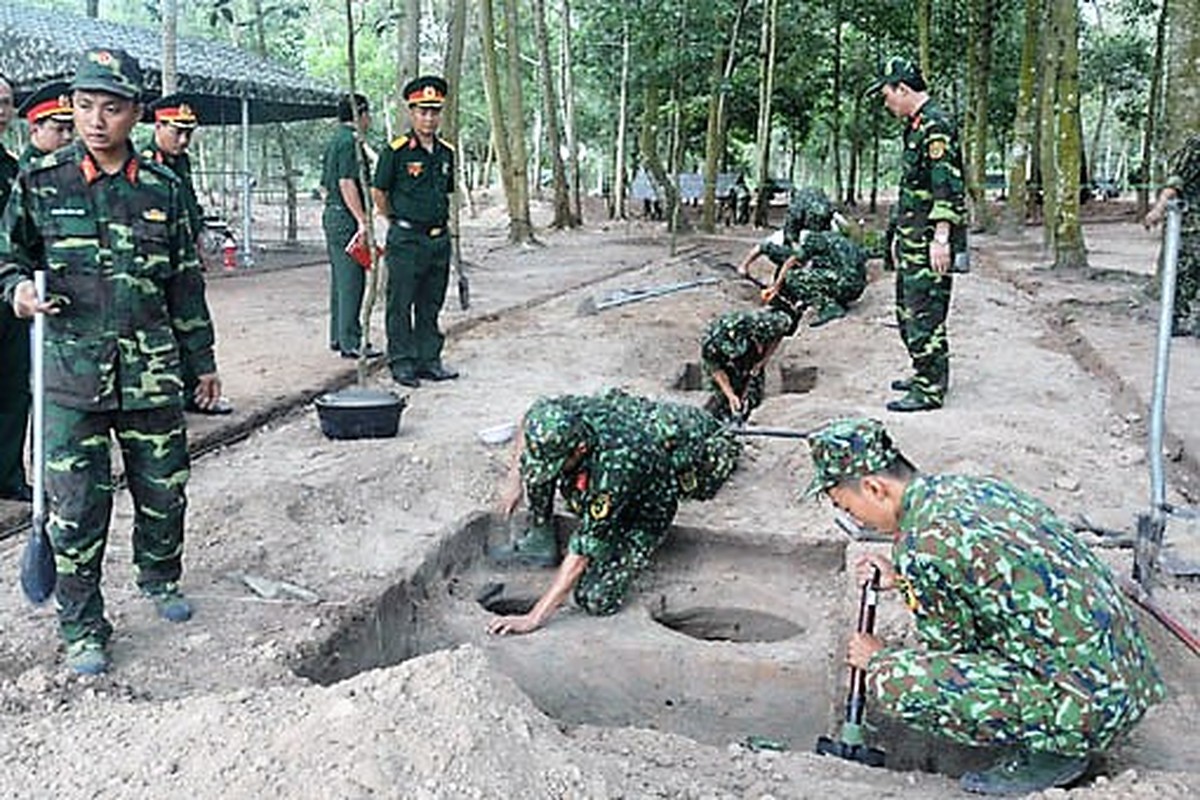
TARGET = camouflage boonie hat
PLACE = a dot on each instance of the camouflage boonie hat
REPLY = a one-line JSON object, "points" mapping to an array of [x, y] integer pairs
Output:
{"points": [[551, 435], [896, 69], [103, 69], [810, 210], [848, 448]]}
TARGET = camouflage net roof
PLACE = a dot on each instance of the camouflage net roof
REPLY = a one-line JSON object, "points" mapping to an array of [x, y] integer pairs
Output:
{"points": [[37, 45]]}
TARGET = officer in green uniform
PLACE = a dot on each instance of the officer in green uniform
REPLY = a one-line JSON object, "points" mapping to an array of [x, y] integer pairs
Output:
{"points": [[1184, 183], [703, 453], [14, 351], [50, 118], [1026, 639], [734, 350], [175, 123], [344, 220], [619, 481], [124, 309], [930, 231], [412, 187]]}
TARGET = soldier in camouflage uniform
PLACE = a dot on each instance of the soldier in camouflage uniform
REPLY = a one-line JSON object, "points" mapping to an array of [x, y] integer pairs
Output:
{"points": [[1184, 183], [930, 231], [734, 350], [1026, 639], [619, 481], [703, 453], [14, 352], [124, 308]]}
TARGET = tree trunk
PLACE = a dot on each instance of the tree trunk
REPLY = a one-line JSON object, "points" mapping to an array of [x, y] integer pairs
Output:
{"points": [[1146, 171], [765, 93], [291, 193], [169, 11], [924, 13], [520, 225], [648, 144], [1183, 90], [1048, 129], [714, 137], [567, 73], [1069, 248], [408, 45], [93, 9], [562, 196], [979, 65], [1022, 142], [618, 183], [451, 129], [835, 141]]}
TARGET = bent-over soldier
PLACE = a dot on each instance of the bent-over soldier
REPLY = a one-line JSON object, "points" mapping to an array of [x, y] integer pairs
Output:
{"points": [[1026, 641], [619, 481], [734, 350], [124, 309]]}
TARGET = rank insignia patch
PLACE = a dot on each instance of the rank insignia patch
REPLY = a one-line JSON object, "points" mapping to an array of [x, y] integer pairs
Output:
{"points": [[415, 168], [937, 149], [600, 507]]}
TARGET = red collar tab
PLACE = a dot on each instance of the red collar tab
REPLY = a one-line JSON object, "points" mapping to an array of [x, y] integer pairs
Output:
{"points": [[92, 172]]}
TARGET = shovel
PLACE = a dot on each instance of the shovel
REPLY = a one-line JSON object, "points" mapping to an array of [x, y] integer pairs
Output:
{"points": [[623, 297], [38, 574], [851, 745]]}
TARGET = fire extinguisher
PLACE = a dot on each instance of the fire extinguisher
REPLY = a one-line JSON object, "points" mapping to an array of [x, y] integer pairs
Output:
{"points": [[229, 252]]}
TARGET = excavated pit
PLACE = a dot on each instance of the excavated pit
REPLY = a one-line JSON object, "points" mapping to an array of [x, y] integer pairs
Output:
{"points": [[729, 635], [793, 378]]}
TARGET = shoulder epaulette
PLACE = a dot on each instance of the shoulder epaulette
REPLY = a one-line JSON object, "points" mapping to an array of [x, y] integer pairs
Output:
{"points": [[398, 142], [446, 144]]}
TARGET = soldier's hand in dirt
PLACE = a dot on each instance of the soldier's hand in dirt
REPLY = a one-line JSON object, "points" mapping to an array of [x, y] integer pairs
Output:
{"points": [[510, 498], [208, 391], [521, 623], [860, 649], [867, 563], [25, 302]]}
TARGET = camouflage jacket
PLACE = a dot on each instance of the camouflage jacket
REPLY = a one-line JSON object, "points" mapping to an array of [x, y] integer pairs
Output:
{"points": [[987, 568], [123, 273], [8, 175], [1185, 179], [931, 182], [181, 165], [835, 254], [624, 475], [736, 340]]}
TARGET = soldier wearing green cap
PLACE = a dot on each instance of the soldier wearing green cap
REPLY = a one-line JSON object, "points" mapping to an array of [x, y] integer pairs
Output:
{"points": [[619, 481], [1026, 641], [930, 231], [703, 453], [125, 309], [412, 186], [734, 350]]}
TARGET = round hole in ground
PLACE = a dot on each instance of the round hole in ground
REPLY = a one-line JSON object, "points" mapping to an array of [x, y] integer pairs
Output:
{"points": [[509, 606], [713, 624]]}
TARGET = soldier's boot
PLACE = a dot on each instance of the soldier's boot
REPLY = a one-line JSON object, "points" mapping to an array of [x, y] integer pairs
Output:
{"points": [[538, 547], [87, 656], [902, 384], [915, 401], [1026, 773], [169, 602]]}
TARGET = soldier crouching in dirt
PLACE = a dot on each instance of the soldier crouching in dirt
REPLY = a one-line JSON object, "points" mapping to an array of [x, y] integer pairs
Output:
{"points": [[702, 449], [1027, 642], [734, 351], [618, 480]]}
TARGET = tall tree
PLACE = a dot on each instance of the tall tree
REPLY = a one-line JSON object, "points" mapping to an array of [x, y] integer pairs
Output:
{"points": [[1047, 125], [1183, 89], [408, 44], [724, 59], [1022, 138], [452, 124], [924, 13], [1069, 248], [562, 198], [619, 158], [981, 24], [1154, 102], [169, 12], [762, 166], [570, 121], [521, 230]]}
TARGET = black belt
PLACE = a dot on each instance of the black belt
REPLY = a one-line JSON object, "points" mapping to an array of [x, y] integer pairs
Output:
{"points": [[431, 230]]}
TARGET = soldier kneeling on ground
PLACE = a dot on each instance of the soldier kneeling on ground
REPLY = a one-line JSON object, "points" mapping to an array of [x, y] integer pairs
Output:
{"points": [[1026, 640], [617, 479]]}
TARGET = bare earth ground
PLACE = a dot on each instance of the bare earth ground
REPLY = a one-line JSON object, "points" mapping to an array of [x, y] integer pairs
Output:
{"points": [[1051, 378]]}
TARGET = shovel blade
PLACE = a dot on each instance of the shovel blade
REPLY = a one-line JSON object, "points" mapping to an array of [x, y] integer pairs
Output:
{"points": [[860, 753], [38, 573]]}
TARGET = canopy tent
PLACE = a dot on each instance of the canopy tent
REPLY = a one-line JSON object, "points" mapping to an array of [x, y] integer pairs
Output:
{"points": [[227, 85], [38, 45]]}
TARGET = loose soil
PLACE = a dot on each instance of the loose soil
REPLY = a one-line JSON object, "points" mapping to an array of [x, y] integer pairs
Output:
{"points": [[263, 696]]}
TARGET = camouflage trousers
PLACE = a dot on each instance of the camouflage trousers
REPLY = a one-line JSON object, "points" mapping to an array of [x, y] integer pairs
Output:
{"points": [[922, 303], [978, 699], [1187, 283], [80, 485], [604, 584], [703, 467], [815, 287]]}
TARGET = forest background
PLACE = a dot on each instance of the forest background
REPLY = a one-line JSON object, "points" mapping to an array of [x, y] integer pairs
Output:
{"points": [[1059, 101]]}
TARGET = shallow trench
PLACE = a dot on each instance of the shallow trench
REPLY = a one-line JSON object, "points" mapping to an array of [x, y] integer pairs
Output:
{"points": [[729, 636]]}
